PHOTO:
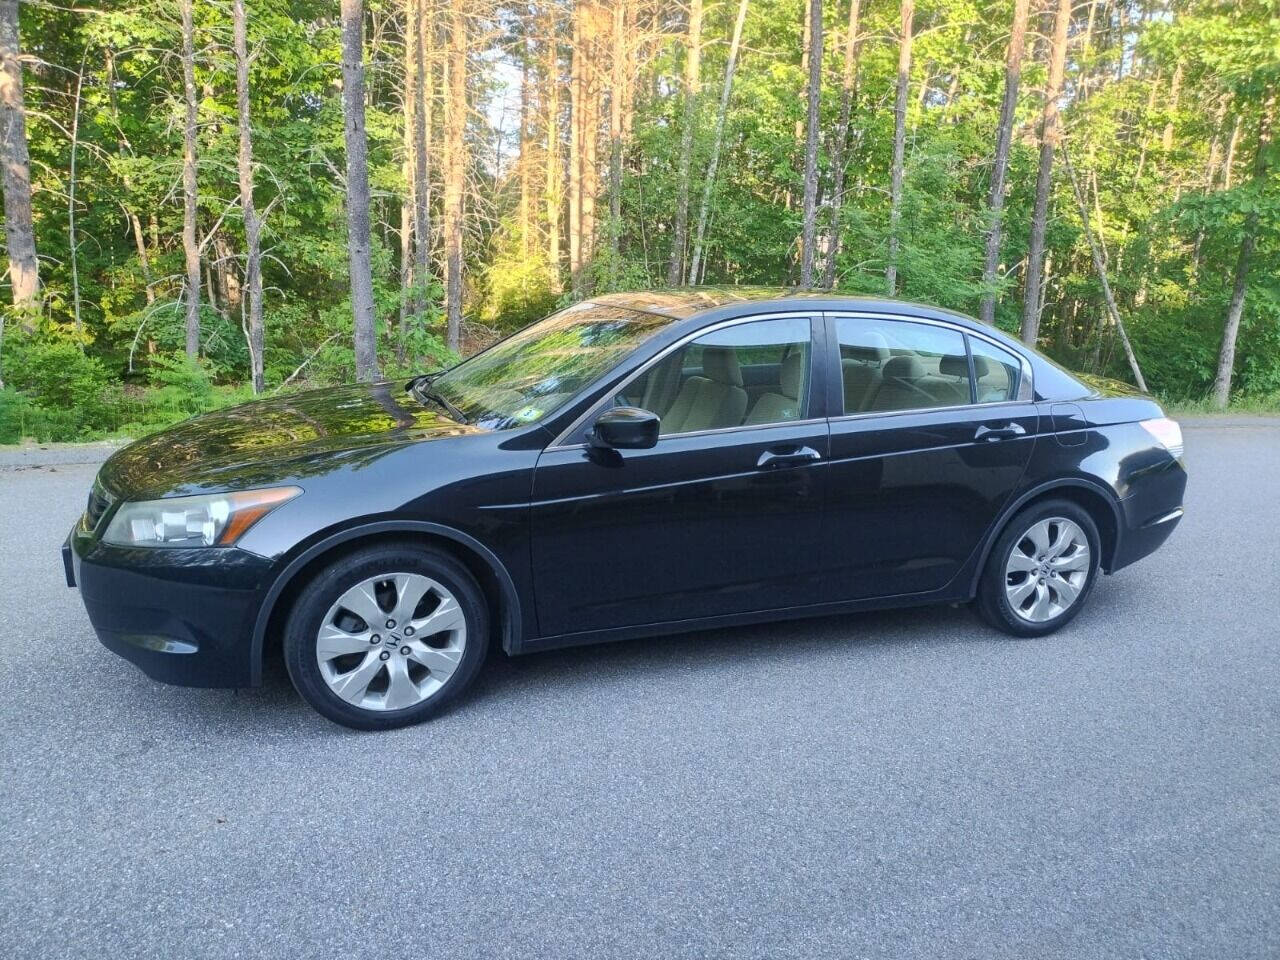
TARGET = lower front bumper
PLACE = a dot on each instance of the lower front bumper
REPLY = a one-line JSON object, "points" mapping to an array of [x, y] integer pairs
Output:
{"points": [[182, 616]]}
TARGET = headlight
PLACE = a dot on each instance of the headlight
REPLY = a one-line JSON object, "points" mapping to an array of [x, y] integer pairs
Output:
{"points": [[1167, 433], [202, 521]]}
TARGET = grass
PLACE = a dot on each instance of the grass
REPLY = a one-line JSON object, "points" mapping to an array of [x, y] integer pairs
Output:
{"points": [[1264, 405]]}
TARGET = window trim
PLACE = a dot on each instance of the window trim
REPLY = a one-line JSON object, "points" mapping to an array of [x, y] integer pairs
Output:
{"points": [[817, 347], [836, 397]]}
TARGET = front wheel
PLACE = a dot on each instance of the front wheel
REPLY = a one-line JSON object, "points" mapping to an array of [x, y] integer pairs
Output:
{"points": [[1041, 569], [386, 636]]}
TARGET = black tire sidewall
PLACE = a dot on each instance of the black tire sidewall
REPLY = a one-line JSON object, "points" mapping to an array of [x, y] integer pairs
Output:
{"points": [[993, 603], [329, 583]]}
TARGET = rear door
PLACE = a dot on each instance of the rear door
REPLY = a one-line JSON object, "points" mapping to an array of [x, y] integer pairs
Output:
{"points": [[933, 438], [722, 516]]}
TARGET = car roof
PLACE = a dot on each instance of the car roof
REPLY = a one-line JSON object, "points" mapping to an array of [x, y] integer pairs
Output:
{"points": [[721, 303]]}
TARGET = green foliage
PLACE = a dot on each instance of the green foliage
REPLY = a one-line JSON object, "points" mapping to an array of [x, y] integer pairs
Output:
{"points": [[1151, 166]]}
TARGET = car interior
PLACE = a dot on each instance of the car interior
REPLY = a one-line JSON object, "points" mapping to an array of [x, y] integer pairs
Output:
{"points": [[885, 366]]}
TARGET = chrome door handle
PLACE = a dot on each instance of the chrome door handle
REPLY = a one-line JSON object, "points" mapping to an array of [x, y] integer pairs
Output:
{"points": [[1007, 432], [774, 460]]}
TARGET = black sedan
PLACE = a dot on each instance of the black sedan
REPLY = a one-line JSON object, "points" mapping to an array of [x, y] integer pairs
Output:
{"points": [[634, 465]]}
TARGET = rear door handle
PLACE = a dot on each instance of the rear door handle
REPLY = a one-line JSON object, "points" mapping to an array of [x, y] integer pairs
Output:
{"points": [[1007, 432], [797, 456]]}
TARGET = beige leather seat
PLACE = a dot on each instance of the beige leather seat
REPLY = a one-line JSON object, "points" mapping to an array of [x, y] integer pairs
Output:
{"points": [[953, 386], [711, 400], [902, 386], [780, 407], [861, 370]]}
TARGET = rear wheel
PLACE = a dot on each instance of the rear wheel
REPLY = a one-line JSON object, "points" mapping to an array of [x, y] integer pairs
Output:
{"points": [[1041, 569], [386, 636]]}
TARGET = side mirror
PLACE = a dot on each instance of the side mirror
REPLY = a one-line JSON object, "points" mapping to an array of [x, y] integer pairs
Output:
{"points": [[625, 428]]}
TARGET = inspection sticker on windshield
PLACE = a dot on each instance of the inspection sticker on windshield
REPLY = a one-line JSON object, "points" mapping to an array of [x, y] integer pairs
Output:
{"points": [[527, 414]]}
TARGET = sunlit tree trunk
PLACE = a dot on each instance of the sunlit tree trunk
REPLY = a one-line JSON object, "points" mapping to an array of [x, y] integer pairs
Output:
{"points": [[809, 228], [1049, 135], [554, 172], [421, 40], [252, 225], [24, 268], [697, 266], [618, 81], [190, 248], [1239, 286], [577, 107], [899, 144], [839, 160], [455, 168], [692, 82], [1000, 168], [358, 241]]}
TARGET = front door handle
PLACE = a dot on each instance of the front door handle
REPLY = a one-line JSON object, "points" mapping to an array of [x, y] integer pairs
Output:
{"points": [[795, 457], [1007, 432]]}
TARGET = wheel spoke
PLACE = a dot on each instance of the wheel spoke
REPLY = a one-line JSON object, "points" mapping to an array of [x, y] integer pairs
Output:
{"points": [[410, 589], [1043, 603], [353, 685], [448, 616], [1020, 592], [401, 690], [1066, 591], [441, 662], [336, 642], [361, 601], [1039, 535], [1019, 562], [1065, 539], [1072, 563]]}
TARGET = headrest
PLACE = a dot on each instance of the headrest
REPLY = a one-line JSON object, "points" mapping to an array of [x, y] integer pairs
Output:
{"points": [[791, 373], [873, 349], [953, 366], [906, 367], [981, 367], [721, 364]]}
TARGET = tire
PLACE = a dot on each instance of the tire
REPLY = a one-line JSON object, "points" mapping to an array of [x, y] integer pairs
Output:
{"points": [[1034, 607], [369, 670]]}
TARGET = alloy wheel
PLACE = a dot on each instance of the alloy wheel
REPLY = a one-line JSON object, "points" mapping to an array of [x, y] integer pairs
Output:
{"points": [[391, 641], [1047, 569]]}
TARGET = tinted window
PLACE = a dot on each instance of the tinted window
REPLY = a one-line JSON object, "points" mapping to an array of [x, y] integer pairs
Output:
{"points": [[997, 372], [746, 374], [898, 365]]}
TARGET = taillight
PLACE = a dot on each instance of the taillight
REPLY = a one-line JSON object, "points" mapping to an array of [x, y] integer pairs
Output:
{"points": [[1167, 433]]}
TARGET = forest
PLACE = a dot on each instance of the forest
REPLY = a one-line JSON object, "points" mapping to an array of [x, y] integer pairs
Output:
{"points": [[205, 201]]}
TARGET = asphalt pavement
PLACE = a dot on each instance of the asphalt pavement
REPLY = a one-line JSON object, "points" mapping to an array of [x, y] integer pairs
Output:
{"points": [[905, 784]]}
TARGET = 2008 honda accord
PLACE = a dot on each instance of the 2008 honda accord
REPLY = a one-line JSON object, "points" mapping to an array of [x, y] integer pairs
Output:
{"points": [[633, 465]]}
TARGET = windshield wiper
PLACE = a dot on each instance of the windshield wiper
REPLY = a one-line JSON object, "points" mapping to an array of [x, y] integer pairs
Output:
{"points": [[422, 389]]}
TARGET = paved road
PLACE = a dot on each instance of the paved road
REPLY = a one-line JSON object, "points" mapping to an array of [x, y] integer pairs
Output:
{"points": [[890, 785]]}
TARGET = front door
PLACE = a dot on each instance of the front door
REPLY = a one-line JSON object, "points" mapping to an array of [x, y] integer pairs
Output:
{"points": [[722, 516], [937, 430]]}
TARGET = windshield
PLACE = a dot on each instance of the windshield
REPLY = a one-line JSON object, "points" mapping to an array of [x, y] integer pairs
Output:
{"points": [[533, 373]]}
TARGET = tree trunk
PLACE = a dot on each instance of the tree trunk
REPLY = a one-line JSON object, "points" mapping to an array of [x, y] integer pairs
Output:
{"points": [[24, 268], [692, 82], [358, 241], [1004, 139], [848, 87], [72, 243], [617, 83], [1239, 287], [525, 149], [1100, 265], [899, 144], [553, 190], [455, 168], [590, 129], [576, 109], [704, 208], [1044, 178], [252, 225], [423, 24], [809, 229], [190, 248]]}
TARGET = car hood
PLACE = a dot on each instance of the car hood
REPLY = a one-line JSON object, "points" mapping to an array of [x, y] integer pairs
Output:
{"points": [[278, 439]]}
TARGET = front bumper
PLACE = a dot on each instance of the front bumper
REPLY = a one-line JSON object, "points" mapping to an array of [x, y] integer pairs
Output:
{"points": [[183, 616]]}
